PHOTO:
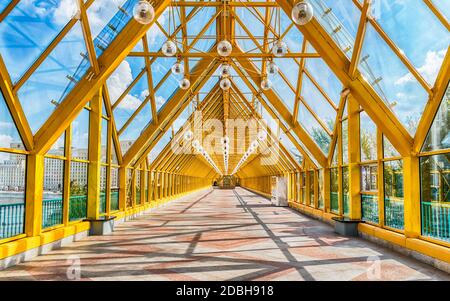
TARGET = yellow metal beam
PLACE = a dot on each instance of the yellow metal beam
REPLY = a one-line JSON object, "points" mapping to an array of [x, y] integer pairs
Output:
{"points": [[360, 88], [86, 88]]}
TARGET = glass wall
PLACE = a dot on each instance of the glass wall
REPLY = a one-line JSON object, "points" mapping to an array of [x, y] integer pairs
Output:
{"points": [[334, 190], [435, 196], [393, 194], [12, 194], [369, 193], [114, 189], [311, 188], [320, 185], [53, 200]]}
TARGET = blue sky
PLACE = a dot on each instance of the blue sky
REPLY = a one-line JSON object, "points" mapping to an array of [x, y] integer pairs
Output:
{"points": [[33, 24]]}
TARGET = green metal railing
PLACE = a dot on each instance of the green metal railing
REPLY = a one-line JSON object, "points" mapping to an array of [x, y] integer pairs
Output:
{"points": [[394, 213], [52, 213], [334, 202], [436, 220], [11, 220], [369, 208], [114, 199], [77, 207]]}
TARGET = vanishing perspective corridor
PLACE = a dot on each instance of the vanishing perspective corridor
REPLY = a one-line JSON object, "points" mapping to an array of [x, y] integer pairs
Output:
{"points": [[224, 235]]}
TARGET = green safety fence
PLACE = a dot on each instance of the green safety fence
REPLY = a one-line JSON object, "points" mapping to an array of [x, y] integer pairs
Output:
{"points": [[11, 220], [334, 202], [394, 213], [369, 208], [436, 220]]}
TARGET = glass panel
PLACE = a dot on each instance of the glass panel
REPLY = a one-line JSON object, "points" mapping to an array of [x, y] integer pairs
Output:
{"points": [[393, 194], [12, 194], [316, 131], [345, 190], [311, 188], [104, 141], [368, 132], [334, 190], [369, 207], [128, 188], [52, 203], [103, 178], [435, 196], [345, 141], [28, 29], [114, 189], [439, 135], [388, 149], [54, 78], [369, 178], [426, 51], [303, 183], [326, 79], [390, 78], [78, 190], [80, 136], [137, 187], [9, 135], [321, 190]]}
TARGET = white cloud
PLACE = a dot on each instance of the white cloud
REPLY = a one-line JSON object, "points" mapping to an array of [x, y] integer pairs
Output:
{"points": [[6, 125], [119, 80], [130, 103], [160, 101], [5, 141], [430, 69], [65, 11]]}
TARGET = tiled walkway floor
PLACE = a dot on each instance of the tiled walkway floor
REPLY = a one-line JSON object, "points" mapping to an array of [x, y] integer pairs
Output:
{"points": [[225, 235]]}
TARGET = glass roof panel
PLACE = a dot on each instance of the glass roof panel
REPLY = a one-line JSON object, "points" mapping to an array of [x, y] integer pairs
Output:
{"points": [[424, 43], [55, 78], [27, 31], [4, 4], [315, 130], [325, 78], [443, 7], [9, 135], [392, 80], [134, 129], [317, 102]]}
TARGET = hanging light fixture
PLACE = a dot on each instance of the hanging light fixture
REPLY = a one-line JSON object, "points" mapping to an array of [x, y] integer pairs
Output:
{"points": [[224, 48], [266, 84], [185, 84], [262, 135], [143, 12], [169, 48], [302, 13], [272, 68], [279, 49], [225, 84], [177, 68], [225, 70]]}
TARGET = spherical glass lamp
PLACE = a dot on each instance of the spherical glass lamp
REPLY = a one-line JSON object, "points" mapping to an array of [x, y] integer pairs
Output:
{"points": [[272, 68], [279, 49], [266, 84], [177, 68], [185, 84], [224, 48], [225, 84], [302, 13], [169, 48], [225, 70], [143, 12]]}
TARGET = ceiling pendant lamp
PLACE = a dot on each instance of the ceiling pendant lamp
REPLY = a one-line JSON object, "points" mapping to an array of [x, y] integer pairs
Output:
{"points": [[272, 68], [225, 70], [143, 12], [185, 84], [224, 48], [279, 49], [225, 84], [169, 48], [177, 68], [266, 84], [188, 135], [302, 13]]}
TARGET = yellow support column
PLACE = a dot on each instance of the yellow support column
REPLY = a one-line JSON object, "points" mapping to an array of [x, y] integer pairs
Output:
{"points": [[354, 171], [411, 184], [326, 188], [122, 188], [95, 132], [34, 194]]}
